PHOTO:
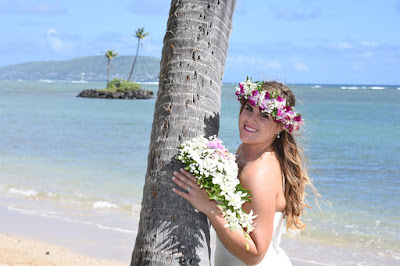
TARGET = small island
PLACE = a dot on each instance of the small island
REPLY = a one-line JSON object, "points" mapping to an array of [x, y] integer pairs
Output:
{"points": [[118, 89]]}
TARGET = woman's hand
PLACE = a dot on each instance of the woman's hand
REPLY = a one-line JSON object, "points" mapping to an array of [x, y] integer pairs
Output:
{"points": [[196, 196]]}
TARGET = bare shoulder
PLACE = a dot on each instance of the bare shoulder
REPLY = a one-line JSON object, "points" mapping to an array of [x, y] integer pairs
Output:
{"points": [[264, 170]]}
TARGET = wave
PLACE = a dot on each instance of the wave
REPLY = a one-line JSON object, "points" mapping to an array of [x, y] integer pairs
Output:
{"points": [[23, 192], [46, 80], [363, 88], [76, 199], [349, 88], [79, 81], [53, 215], [317, 86], [116, 229], [103, 205]]}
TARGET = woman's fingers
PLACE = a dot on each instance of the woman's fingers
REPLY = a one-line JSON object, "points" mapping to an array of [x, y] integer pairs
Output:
{"points": [[181, 183], [185, 178], [193, 193], [188, 175]]}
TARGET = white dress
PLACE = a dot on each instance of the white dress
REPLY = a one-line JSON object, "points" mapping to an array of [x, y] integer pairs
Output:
{"points": [[274, 256]]}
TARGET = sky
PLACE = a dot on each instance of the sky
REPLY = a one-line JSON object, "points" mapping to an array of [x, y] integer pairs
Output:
{"points": [[292, 41]]}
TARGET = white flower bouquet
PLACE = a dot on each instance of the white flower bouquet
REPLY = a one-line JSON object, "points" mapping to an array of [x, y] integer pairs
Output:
{"points": [[216, 170]]}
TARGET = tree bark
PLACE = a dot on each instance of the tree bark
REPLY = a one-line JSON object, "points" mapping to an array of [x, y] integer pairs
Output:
{"points": [[188, 104]]}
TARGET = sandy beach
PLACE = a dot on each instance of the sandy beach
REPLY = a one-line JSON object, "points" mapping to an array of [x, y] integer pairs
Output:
{"points": [[23, 251]]}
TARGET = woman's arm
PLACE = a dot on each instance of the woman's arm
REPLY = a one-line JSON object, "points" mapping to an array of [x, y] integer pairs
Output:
{"points": [[259, 177]]}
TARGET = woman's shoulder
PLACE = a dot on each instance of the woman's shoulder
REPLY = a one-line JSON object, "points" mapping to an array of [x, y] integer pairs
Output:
{"points": [[265, 167]]}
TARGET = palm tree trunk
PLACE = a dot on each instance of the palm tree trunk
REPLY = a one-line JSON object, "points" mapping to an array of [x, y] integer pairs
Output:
{"points": [[108, 72], [188, 104], [134, 61]]}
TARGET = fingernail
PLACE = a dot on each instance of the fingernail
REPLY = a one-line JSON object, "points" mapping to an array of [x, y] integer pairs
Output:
{"points": [[173, 178]]}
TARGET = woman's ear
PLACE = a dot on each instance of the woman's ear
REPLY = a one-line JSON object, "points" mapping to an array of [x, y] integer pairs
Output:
{"points": [[281, 127]]}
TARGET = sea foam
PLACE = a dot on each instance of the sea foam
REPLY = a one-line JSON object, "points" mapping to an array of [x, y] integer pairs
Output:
{"points": [[28, 192], [349, 88], [362, 88], [103, 205]]}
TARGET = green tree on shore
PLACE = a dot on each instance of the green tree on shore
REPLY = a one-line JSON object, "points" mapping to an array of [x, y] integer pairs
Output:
{"points": [[140, 36], [110, 54], [188, 104]]}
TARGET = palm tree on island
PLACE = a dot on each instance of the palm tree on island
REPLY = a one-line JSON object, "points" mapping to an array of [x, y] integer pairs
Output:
{"points": [[110, 54], [140, 36]]}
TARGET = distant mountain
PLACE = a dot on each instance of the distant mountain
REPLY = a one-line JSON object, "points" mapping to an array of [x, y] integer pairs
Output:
{"points": [[91, 68]]}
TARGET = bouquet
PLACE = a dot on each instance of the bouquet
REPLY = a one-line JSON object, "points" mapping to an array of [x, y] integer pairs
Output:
{"points": [[216, 170]]}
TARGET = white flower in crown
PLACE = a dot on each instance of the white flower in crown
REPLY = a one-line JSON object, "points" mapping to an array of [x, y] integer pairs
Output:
{"points": [[270, 103]]}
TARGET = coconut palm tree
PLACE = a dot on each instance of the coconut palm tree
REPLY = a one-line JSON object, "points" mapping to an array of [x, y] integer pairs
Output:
{"points": [[139, 34], [188, 103], [110, 54]]}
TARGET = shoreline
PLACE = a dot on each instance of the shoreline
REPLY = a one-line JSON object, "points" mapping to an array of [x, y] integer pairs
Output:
{"points": [[29, 237]]}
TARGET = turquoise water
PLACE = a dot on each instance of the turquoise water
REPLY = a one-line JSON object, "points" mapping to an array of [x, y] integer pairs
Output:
{"points": [[90, 155]]}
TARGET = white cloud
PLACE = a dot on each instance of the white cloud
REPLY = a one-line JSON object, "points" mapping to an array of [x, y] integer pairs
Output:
{"points": [[344, 46], [301, 67], [369, 44], [54, 40]]}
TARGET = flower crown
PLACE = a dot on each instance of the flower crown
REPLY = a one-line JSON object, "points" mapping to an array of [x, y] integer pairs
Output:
{"points": [[270, 103]]}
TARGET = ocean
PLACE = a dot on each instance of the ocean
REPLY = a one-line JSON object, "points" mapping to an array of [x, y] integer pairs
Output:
{"points": [[84, 160]]}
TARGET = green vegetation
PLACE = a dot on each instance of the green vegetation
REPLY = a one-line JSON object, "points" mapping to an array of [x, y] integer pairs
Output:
{"points": [[121, 85], [140, 36]]}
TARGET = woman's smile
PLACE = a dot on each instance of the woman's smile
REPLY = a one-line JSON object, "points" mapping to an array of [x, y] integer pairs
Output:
{"points": [[250, 129]]}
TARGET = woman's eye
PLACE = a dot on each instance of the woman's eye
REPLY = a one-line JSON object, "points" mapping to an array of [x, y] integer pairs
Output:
{"points": [[248, 108], [264, 116]]}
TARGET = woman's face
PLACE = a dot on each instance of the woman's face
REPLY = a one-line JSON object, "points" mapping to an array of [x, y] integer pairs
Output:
{"points": [[256, 127]]}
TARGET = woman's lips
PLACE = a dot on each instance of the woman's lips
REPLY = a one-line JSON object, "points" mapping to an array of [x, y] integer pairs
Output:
{"points": [[250, 129]]}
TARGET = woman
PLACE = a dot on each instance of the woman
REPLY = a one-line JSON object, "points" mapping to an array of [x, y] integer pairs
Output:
{"points": [[270, 166]]}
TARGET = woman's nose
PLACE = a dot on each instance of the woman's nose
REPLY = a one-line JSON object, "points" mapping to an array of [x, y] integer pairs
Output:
{"points": [[252, 117]]}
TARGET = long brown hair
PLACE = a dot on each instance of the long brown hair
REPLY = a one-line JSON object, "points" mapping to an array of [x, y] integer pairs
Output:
{"points": [[293, 164]]}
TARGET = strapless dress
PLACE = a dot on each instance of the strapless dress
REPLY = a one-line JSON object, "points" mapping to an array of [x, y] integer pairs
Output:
{"points": [[274, 256]]}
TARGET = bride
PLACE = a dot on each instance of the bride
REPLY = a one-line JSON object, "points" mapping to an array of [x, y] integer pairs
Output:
{"points": [[271, 166]]}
